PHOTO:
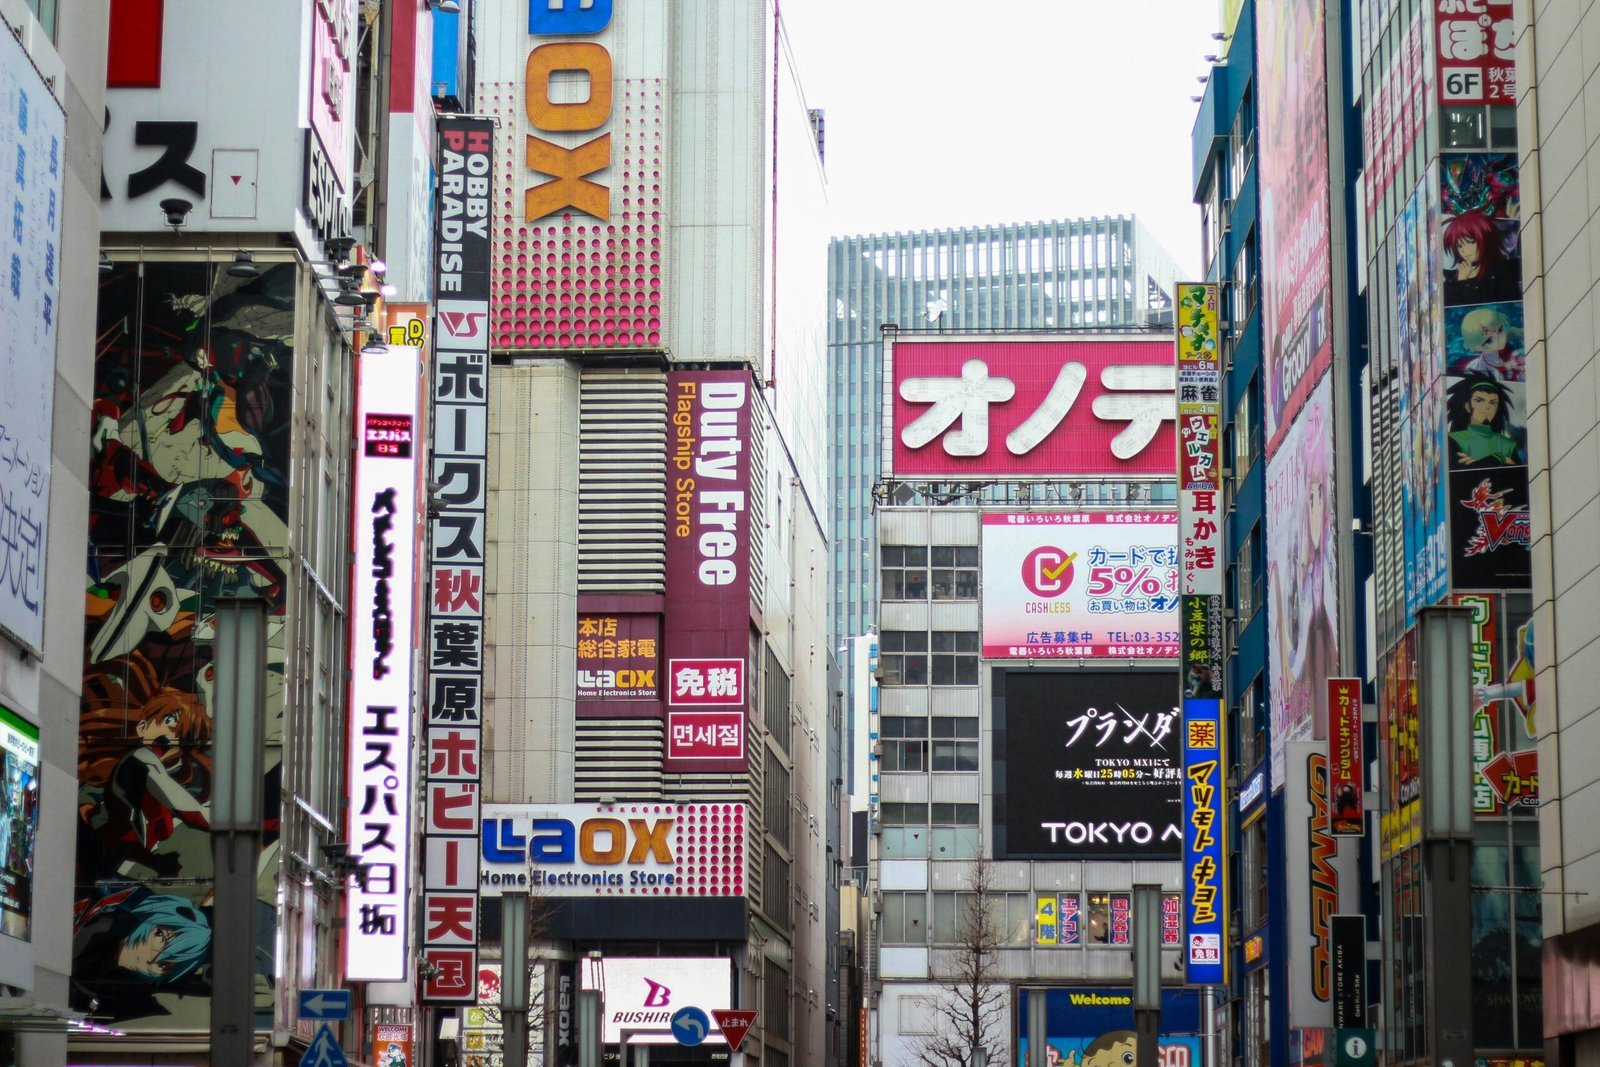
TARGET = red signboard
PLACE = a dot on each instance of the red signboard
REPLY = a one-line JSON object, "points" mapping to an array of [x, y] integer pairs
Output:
{"points": [[1477, 52], [1346, 778], [734, 1024], [715, 735], [619, 663], [707, 628], [1031, 407]]}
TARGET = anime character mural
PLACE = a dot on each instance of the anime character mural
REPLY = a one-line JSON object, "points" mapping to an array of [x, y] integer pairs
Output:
{"points": [[189, 475], [1302, 605]]}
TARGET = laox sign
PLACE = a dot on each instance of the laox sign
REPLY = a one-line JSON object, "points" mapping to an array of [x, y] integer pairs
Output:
{"points": [[602, 842], [570, 166]]}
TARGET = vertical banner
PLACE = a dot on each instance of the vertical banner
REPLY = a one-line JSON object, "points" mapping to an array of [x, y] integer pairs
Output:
{"points": [[32, 145], [1346, 762], [391, 1045], [454, 638], [1349, 939], [1318, 868], [1202, 550], [1485, 391], [1199, 441], [1293, 172], [707, 629], [382, 620], [1205, 855]]}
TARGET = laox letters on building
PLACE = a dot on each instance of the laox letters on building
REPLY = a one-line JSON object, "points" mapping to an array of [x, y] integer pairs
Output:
{"points": [[569, 165]]}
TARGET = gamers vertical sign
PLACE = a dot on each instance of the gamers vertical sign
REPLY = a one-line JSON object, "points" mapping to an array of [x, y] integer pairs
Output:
{"points": [[381, 617], [454, 638], [708, 568]]}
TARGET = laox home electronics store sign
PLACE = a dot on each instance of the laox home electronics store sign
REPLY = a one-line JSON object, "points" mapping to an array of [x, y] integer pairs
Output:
{"points": [[707, 628], [612, 850]]}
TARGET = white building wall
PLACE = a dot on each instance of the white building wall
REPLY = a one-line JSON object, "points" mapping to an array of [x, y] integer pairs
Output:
{"points": [[47, 691]]}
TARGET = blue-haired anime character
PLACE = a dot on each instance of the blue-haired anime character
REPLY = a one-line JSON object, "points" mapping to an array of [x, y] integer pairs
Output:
{"points": [[129, 944]]}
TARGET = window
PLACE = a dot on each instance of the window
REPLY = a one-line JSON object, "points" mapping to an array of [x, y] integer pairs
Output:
{"points": [[955, 744], [905, 572], [955, 833], [955, 657], [1253, 857], [1463, 127], [905, 743], [1110, 919], [903, 657], [1010, 917], [905, 919], [904, 833], [955, 572]]}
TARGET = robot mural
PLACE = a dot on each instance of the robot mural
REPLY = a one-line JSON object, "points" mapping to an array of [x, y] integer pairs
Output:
{"points": [[189, 502]]}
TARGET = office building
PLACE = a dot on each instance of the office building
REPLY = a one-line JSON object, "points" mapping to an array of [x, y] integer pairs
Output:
{"points": [[1558, 339], [655, 562], [1071, 274], [52, 94]]}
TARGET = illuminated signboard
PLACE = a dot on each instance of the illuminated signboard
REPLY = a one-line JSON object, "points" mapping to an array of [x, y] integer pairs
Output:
{"points": [[614, 850], [1089, 767], [1346, 764], [1080, 585], [1204, 846], [641, 994], [453, 642], [1199, 441], [1022, 407], [19, 740], [382, 619]]}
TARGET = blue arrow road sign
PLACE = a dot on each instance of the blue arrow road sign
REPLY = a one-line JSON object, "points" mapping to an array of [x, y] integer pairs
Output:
{"points": [[329, 1005], [690, 1025], [324, 1050]]}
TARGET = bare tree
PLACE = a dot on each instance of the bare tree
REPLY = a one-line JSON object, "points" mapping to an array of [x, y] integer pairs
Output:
{"points": [[970, 1010]]}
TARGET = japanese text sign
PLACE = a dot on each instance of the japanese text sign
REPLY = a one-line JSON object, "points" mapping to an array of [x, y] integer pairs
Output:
{"points": [[1477, 52], [707, 627], [1346, 775], [1199, 457], [1205, 893], [1089, 767], [612, 850], [383, 596], [618, 657], [1080, 584], [32, 169], [1029, 407], [454, 638]]}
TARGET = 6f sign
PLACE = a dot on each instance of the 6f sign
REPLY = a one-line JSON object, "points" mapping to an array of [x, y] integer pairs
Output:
{"points": [[562, 63]]}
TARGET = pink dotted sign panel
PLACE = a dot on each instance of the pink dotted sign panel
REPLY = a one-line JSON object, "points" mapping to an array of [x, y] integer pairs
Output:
{"points": [[592, 850], [571, 280]]}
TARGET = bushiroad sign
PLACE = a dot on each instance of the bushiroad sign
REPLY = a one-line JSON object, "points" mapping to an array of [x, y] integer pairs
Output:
{"points": [[690, 1026], [324, 1051], [734, 1024], [328, 1005]]}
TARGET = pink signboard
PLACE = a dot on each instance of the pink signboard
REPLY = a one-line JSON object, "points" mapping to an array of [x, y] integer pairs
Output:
{"points": [[1029, 407], [1080, 584], [706, 633]]}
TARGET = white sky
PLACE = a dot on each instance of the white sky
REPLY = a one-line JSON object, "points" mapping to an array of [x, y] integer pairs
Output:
{"points": [[945, 113]]}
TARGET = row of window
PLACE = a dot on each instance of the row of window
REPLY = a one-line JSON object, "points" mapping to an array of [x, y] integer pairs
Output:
{"points": [[913, 572], [942, 743], [1018, 920], [919, 657]]}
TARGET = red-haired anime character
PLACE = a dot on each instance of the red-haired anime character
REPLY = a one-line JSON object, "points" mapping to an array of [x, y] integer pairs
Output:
{"points": [[1483, 272]]}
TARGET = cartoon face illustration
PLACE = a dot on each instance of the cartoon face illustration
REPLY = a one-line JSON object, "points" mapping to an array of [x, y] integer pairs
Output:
{"points": [[1115, 1048]]}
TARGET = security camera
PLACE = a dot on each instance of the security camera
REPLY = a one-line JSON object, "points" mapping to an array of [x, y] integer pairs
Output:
{"points": [[176, 209]]}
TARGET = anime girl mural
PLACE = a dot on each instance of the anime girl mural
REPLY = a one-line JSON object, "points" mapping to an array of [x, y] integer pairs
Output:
{"points": [[1302, 575], [189, 472]]}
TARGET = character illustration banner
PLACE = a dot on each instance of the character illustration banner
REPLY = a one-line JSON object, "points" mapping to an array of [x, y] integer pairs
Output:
{"points": [[189, 476], [1418, 333], [1087, 1026], [1302, 602], [1294, 208], [1485, 403]]}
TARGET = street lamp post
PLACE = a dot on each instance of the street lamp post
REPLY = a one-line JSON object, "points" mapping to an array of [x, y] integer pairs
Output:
{"points": [[238, 722], [514, 978], [1146, 973]]}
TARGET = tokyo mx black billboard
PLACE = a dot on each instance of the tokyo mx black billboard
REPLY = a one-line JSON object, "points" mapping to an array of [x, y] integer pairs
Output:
{"points": [[1087, 765]]}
